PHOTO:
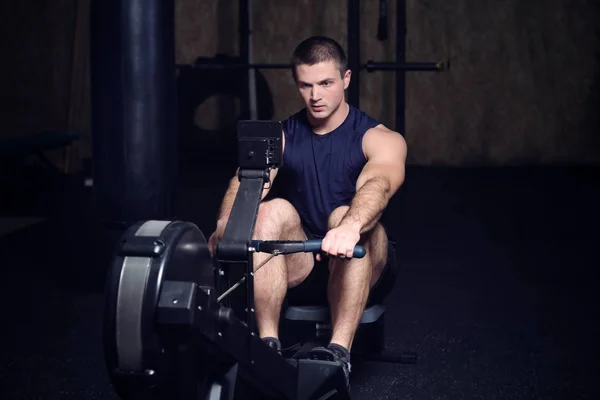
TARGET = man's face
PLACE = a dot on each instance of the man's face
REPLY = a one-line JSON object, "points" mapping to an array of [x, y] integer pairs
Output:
{"points": [[321, 87]]}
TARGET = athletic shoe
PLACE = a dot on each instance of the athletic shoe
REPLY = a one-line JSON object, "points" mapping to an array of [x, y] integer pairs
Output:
{"points": [[273, 343], [335, 355]]}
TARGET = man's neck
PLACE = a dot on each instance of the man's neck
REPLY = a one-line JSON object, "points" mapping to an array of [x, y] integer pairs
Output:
{"points": [[329, 124]]}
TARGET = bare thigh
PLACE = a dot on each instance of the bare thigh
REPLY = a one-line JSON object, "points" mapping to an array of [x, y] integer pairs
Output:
{"points": [[279, 212]]}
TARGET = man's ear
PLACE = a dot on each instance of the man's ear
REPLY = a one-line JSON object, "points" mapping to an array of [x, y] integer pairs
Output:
{"points": [[347, 76]]}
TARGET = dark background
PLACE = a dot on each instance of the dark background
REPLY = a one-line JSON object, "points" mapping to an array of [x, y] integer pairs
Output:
{"points": [[523, 86], [496, 222]]}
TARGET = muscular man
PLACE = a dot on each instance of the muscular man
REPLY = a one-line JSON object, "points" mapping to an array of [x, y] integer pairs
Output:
{"points": [[340, 169]]}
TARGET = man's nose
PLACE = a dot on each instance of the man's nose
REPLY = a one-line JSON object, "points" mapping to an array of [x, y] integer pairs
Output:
{"points": [[314, 93]]}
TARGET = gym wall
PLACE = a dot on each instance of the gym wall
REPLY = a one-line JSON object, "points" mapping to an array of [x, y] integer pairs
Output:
{"points": [[36, 39], [522, 88]]}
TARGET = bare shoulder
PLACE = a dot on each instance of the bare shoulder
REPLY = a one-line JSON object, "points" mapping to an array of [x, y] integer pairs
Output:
{"points": [[380, 141]]}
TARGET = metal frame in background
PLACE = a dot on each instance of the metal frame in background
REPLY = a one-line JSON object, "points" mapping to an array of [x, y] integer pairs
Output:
{"points": [[401, 66]]}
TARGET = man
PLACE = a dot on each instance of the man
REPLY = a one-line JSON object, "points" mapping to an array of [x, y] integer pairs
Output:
{"points": [[340, 169]]}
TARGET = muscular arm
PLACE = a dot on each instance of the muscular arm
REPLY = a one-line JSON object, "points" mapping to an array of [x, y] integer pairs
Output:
{"points": [[379, 180]]}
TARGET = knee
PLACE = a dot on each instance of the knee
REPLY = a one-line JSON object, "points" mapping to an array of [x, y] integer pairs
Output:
{"points": [[267, 218], [336, 216], [273, 216]]}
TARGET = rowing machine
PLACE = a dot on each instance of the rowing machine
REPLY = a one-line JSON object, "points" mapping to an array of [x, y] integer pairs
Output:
{"points": [[173, 327]]}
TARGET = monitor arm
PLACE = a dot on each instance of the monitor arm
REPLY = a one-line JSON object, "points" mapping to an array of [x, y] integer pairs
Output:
{"points": [[259, 150]]}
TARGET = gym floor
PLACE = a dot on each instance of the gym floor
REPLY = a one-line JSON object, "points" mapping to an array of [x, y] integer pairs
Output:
{"points": [[495, 294]]}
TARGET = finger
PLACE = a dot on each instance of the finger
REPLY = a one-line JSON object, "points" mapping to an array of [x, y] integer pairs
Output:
{"points": [[339, 252], [329, 246], [325, 244], [350, 252]]}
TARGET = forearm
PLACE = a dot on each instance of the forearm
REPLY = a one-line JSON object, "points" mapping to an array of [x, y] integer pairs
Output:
{"points": [[368, 204], [228, 200]]}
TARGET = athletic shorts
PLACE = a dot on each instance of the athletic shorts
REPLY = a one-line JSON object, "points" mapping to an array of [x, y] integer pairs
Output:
{"points": [[313, 290]]}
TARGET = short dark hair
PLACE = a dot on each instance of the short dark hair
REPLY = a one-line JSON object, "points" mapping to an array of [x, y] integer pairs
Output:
{"points": [[317, 49]]}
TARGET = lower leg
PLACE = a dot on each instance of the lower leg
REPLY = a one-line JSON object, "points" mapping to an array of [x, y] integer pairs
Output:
{"points": [[270, 287], [350, 282], [348, 293], [276, 220]]}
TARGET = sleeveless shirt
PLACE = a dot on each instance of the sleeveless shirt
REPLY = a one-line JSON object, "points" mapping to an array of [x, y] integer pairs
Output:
{"points": [[319, 172]]}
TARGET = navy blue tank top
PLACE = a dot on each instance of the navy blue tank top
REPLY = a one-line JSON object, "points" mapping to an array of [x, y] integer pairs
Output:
{"points": [[319, 172]]}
